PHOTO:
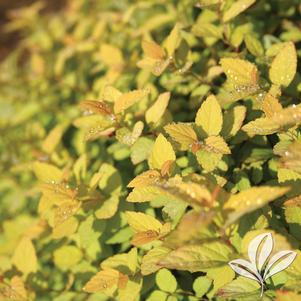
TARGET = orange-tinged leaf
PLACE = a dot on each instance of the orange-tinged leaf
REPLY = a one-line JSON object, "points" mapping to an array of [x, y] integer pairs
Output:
{"points": [[146, 178], [167, 168], [96, 107], [128, 99], [145, 237], [102, 280], [153, 50]]}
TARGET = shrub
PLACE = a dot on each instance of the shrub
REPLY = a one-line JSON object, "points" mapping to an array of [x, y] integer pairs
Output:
{"points": [[144, 144]]}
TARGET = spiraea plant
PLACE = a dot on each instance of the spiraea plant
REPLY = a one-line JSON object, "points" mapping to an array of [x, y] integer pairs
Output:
{"points": [[151, 150]]}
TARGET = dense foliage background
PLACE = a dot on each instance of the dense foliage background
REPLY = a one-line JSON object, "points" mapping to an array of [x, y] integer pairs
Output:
{"points": [[144, 144]]}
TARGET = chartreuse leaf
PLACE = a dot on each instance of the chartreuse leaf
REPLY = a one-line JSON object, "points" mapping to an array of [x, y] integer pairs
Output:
{"points": [[284, 65], [293, 215], [237, 8], [141, 150], [156, 111], [195, 258], [166, 281], [157, 296], [209, 116], [67, 257], [251, 199], [65, 229], [201, 285], [108, 208], [24, 257], [182, 133], [53, 139], [162, 151]]}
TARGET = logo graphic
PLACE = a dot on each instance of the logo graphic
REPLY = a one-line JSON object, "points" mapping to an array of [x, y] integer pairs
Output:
{"points": [[260, 267]]}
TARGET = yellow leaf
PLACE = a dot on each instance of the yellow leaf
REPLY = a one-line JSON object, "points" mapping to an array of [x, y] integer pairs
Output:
{"points": [[46, 172], [102, 281], [126, 100], [162, 151], [271, 105], [111, 55], [146, 178], [15, 291], [240, 72], [284, 66], [53, 139], [156, 111], [65, 229], [153, 50], [237, 8], [111, 94], [251, 199], [182, 133], [217, 144], [287, 296], [209, 117], [108, 208], [65, 210], [25, 258], [141, 222], [173, 40], [157, 67], [261, 126]]}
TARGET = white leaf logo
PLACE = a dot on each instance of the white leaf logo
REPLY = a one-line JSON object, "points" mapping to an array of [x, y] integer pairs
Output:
{"points": [[259, 268]]}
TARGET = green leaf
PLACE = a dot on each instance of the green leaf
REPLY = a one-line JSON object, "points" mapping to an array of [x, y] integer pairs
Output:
{"points": [[141, 150], [209, 117], [157, 296], [166, 281], [284, 66], [208, 160]]}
